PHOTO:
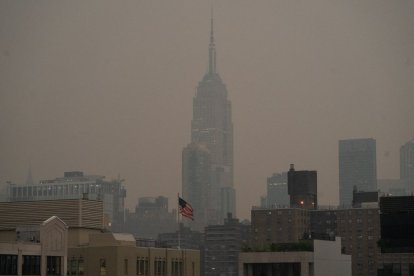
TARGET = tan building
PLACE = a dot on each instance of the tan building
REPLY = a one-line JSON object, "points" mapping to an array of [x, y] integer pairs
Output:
{"points": [[84, 248], [34, 250], [117, 254]]}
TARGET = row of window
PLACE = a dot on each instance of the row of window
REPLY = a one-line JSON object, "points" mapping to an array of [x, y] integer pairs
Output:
{"points": [[31, 265]]}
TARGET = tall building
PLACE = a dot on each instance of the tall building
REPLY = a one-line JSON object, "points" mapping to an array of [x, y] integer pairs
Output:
{"points": [[357, 167], [212, 128], [302, 188], [277, 191], [407, 166]]}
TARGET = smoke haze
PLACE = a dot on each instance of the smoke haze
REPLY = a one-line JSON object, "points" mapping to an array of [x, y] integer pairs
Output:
{"points": [[106, 87]]}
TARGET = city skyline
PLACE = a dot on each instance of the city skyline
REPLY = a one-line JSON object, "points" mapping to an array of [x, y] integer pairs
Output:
{"points": [[107, 88]]}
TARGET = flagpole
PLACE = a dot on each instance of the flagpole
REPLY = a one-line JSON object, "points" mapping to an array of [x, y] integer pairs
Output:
{"points": [[178, 220]]}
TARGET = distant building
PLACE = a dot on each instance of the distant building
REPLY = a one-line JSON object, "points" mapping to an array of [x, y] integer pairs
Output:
{"points": [[392, 187], [277, 191], [212, 127], [302, 188], [360, 197], [185, 238], [223, 244], [357, 167], [75, 185], [407, 166], [151, 217]]}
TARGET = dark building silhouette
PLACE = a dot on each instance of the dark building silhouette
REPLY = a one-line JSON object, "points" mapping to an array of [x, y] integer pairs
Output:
{"points": [[397, 241], [397, 223], [357, 167], [212, 128], [302, 188], [361, 197]]}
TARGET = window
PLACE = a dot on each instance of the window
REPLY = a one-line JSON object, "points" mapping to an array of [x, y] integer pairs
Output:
{"points": [[53, 265], [8, 264], [142, 266], [102, 265], [126, 266], [159, 267], [31, 265]]}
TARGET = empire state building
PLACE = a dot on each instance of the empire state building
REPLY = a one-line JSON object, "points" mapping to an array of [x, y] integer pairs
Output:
{"points": [[207, 171]]}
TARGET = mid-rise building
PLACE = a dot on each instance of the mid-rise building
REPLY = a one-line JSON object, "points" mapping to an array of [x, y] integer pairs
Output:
{"points": [[407, 166], [302, 188], [75, 185], [357, 168], [321, 258], [278, 225], [223, 244]]}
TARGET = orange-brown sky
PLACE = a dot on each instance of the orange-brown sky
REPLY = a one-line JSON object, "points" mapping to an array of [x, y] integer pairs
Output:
{"points": [[106, 87]]}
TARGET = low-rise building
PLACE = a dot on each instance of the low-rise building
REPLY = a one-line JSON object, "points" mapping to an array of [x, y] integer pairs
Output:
{"points": [[323, 258]]}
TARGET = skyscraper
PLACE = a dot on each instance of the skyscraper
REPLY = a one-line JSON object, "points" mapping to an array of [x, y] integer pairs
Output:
{"points": [[357, 167], [407, 166], [212, 127]]}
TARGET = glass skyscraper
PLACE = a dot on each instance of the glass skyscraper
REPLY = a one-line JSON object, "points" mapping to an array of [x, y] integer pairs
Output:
{"points": [[357, 168]]}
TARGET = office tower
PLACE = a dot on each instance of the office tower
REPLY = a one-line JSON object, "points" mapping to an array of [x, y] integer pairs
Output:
{"points": [[407, 166], [212, 128], [357, 167], [277, 191], [302, 188]]}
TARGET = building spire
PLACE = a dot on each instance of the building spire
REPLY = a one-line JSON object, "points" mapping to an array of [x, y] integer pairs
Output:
{"points": [[212, 48]]}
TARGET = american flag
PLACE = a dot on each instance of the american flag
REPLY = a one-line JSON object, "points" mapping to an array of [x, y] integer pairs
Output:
{"points": [[185, 208]]}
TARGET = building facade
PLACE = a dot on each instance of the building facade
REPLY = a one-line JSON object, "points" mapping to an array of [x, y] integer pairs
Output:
{"points": [[278, 225], [76, 185], [357, 167], [34, 250], [212, 127], [223, 243], [302, 188]]}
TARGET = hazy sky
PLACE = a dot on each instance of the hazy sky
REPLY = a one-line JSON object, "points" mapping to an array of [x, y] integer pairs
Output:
{"points": [[106, 87]]}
